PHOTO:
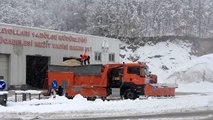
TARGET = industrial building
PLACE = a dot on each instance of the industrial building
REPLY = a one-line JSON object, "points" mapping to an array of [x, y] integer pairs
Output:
{"points": [[26, 52]]}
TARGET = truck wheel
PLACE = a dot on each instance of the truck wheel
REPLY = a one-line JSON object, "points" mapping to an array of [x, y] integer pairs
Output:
{"points": [[91, 98], [68, 97], [130, 94]]}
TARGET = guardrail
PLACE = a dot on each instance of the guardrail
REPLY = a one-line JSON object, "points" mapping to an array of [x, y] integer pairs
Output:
{"points": [[26, 93]]}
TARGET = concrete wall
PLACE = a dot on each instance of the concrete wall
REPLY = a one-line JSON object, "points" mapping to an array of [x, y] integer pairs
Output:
{"points": [[19, 41]]}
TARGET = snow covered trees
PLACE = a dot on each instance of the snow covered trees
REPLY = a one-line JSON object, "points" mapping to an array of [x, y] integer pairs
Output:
{"points": [[114, 18]]}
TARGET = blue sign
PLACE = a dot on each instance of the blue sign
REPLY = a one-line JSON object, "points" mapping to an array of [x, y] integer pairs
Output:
{"points": [[2, 84], [54, 84]]}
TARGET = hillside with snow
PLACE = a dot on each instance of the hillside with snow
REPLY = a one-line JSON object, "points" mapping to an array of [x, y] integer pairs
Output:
{"points": [[172, 61], [163, 58]]}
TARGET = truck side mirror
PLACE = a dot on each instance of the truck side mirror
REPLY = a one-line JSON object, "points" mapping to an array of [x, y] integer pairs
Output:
{"points": [[142, 72]]}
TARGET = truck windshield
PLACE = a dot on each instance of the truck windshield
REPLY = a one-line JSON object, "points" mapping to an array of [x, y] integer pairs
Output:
{"points": [[134, 70]]}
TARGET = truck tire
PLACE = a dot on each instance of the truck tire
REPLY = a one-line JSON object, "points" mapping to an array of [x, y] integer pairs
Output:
{"points": [[68, 97], [60, 91], [91, 98], [130, 94]]}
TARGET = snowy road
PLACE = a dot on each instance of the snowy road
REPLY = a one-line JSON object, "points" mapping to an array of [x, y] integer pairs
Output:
{"points": [[189, 115], [207, 114]]}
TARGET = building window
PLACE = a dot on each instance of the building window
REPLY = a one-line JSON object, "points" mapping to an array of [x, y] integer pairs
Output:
{"points": [[98, 56], [112, 57]]}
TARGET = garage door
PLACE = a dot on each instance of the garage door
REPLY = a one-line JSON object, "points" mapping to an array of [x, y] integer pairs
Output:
{"points": [[4, 60]]}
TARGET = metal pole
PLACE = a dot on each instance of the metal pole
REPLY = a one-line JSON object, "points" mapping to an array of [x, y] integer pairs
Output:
{"points": [[199, 24]]}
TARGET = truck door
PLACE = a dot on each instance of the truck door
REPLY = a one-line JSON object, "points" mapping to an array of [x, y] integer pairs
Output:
{"points": [[133, 74]]}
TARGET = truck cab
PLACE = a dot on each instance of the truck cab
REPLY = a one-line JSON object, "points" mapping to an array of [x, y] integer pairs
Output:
{"points": [[131, 78]]}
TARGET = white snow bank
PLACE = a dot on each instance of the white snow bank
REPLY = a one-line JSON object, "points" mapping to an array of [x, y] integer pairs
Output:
{"points": [[203, 87], [196, 70], [112, 108]]}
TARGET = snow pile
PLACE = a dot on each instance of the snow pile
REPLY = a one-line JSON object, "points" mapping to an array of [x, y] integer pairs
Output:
{"points": [[202, 87], [197, 70], [36, 105], [162, 58], [79, 107]]}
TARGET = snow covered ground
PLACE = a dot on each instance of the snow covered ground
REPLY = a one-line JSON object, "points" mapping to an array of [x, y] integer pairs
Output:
{"points": [[80, 107], [172, 62]]}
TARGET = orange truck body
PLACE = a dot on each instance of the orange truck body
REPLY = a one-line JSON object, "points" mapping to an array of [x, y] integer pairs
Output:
{"points": [[153, 90], [85, 85], [133, 80]]}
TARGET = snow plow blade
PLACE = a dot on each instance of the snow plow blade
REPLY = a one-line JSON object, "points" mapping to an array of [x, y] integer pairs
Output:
{"points": [[160, 90]]}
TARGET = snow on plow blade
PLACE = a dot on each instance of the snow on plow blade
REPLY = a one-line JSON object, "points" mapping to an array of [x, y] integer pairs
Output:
{"points": [[160, 89]]}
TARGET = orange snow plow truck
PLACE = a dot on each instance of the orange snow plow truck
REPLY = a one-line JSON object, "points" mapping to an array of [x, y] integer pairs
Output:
{"points": [[97, 81]]}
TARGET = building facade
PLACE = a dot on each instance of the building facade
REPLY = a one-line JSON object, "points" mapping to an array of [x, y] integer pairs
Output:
{"points": [[26, 52]]}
